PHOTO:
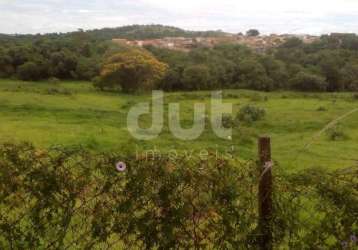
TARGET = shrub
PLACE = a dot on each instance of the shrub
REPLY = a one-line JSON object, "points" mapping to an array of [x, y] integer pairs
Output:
{"points": [[322, 109], [228, 121], [251, 114], [29, 72], [156, 203], [336, 133], [252, 32]]}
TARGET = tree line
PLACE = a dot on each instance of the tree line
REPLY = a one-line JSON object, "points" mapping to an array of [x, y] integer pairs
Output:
{"points": [[329, 64], [72, 56]]}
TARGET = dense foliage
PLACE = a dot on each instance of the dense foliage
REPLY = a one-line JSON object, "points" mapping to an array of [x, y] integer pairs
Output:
{"points": [[252, 32], [329, 64], [251, 114], [72, 56], [131, 70], [74, 199], [75, 55]]}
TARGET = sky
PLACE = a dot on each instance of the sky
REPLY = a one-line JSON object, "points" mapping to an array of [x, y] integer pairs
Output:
{"points": [[274, 16]]}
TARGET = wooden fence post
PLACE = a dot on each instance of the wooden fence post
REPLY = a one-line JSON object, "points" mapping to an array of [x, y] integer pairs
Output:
{"points": [[265, 194]]}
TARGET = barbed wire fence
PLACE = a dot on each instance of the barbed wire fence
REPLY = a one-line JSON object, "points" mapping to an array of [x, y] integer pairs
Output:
{"points": [[317, 208]]}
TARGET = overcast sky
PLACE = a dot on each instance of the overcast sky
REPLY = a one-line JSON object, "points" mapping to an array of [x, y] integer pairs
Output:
{"points": [[274, 16]]}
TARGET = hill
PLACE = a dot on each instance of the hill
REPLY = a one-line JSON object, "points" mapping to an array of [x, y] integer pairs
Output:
{"points": [[152, 31]]}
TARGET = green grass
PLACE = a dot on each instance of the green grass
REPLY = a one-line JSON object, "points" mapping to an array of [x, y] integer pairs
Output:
{"points": [[74, 113]]}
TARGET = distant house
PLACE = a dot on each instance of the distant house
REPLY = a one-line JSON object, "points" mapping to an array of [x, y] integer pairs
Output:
{"points": [[258, 43]]}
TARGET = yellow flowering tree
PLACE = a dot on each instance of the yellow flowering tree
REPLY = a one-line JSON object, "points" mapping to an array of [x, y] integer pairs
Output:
{"points": [[132, 70]]}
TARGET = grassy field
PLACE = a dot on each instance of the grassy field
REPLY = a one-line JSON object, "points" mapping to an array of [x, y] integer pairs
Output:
{"points": [[74, 113]]}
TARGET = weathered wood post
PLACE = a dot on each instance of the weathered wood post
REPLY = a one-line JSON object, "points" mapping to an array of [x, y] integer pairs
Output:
{"points": [[265, 194]]}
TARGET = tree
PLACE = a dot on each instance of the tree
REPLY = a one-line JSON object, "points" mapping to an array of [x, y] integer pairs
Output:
{"points": [[19, 55], [87, 68], [305, 81], [63, 64], [196, 77], [173, 79], [252, 32], [330, 63], [252, 75], [293, 42], [132, 70], [276, 70], [222, 73], [29, 72], [350, 77], [6, 68]]}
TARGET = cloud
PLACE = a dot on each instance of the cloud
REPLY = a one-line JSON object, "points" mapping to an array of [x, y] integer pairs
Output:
{"points": [[278, 16]]}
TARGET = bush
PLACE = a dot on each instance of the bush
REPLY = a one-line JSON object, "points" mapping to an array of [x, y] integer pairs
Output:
{"points": [[155, 203], [336, 133], [322, 109], [228, 121], [252, 32], [29, 72], [308, 82], [251, 114]]}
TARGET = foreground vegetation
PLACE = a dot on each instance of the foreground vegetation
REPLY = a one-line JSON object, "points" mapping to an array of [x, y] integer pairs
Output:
{"points": [[74, 113], [74, 199]]}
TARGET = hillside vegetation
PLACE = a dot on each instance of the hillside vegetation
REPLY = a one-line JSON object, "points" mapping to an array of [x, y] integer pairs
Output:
{"points": [[329, 64]]}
